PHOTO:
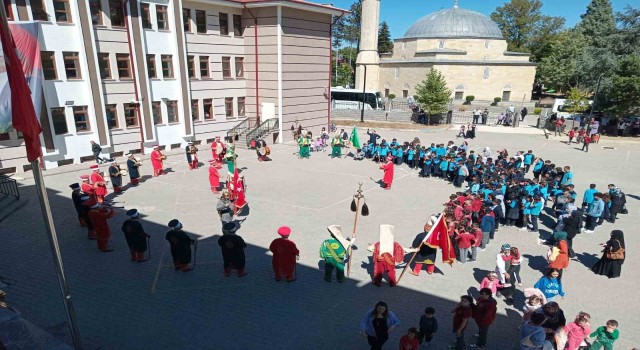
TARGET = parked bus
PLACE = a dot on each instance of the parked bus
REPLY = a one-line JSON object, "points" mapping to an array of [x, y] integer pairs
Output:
{"points": [[352, 99], [560, 107]]}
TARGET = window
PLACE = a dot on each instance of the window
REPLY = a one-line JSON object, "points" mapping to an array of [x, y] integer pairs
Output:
{"points": [[396, 73], [112, 116], [405, 93], [204, 67], [38, 10], [201, 21], [239, 67], [161, 17], [151, 67], [226, 67], [441, 45], [228, 107], [72, 65], [237, 25], [104, 65], [506, 96], [224, 23], [386, 92], [195, 111], [49, 65], [59, 121], [240, 106], [116, 13], [167, 66], [61, 11], [146, 16], [124, 67], [172, 111], [207, 103], [9, 11], [186, 19], [459, 95], [96, 12], [486, 73], [191, 67], [156, 110], [130, 115], [81, 118]]}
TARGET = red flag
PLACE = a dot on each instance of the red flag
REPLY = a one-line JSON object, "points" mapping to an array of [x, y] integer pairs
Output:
{"points": [[438, 237], [23, 115]]}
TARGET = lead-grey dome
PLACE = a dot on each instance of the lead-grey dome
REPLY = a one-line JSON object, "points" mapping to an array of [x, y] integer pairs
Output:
{"points": [[454, 23]]}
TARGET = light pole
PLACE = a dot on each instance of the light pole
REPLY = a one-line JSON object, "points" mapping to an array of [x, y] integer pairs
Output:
{"points": [[364, 90], [595, 97]]}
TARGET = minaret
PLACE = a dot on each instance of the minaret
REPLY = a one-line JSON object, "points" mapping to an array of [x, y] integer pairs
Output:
{"points": [[369, 45]]}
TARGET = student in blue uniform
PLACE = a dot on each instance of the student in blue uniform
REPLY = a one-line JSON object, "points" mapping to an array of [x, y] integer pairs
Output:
{"points": [[588, 196], [444, 168]]}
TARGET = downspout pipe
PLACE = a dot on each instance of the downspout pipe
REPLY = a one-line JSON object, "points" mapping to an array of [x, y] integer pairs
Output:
{"points": [[133, 72], [257, 60], [330, 73]]}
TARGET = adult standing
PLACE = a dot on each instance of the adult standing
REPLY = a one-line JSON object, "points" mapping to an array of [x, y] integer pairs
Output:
{"points": [[523, 113], [180, 244], [484, 314], [476, 115], [285, 254], [387, 179], [377, 323], [386, 254], [97, 181], [116, 177], [230, 157], [192, 155], [426, 254], [225, 207], [485, 116], [99, 217], [618, 201], [336, 146], [157, 160], [610, 264], [232, 247], [571, 225], [85, 186], [559, 257], [135, 236], [214, 176], [133, 166], [217, 152], [334, 252], [373, 137], [76, 196]]}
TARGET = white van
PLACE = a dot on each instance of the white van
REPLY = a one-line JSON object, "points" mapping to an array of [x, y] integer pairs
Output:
{"points": [[560, 106]]}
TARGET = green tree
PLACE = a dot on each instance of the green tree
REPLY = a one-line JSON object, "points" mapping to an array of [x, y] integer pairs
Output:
{"points": [[559, 68], [624, 94], [347, 29], [524, 26], [577, 100], [627, 39], [598, 23], [344, 75], [385, 44], [432, 94]]}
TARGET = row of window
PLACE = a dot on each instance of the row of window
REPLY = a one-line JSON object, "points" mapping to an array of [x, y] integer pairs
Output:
{"points": [[200, 20], [82, 123], [203, 62]]}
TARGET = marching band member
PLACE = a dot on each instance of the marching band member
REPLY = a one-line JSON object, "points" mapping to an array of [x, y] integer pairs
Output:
{"points": [[262, 150], [386, 255], [336, 146], [388, 173], [76, 196], [133, 165], [225, 207], [334, 252], [304, 143], [99, 217], [135, 236], [157, 159], [86, 187], [230, 157], [192, 156], [97, 181], [238, 194], [285, 254], [217, 151], [232, 247], [214, 176], [180, 246], [116, 177]]}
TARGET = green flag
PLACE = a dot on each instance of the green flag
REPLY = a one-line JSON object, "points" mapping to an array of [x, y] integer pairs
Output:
{"points": [[355, 140]]}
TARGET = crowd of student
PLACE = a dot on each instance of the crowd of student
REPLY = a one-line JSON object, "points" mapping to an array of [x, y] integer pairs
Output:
{"points": [[498, 192]]}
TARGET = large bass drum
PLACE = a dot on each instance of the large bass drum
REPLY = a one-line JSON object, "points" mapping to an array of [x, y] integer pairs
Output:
{"points": [[263, 151], [267, 150], [220, 149]]}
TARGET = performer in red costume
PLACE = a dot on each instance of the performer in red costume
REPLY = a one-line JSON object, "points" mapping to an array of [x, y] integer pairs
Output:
{"points": [[214, 176], [99, 217], [157, 158], [386, 254], [239, 189], [285, 254], [217, 152], [97, 181], [86, 187], [388, 173]]}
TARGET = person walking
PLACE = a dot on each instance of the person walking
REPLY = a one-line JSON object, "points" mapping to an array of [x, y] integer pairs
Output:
{"points": [[614, 253], [523, 113], [585, 143], [484, 314], [96, 149], [285, 254], [377, 323]]}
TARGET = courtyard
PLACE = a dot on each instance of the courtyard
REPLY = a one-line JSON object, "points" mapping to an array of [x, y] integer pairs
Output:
{"points": [[125, 305]]}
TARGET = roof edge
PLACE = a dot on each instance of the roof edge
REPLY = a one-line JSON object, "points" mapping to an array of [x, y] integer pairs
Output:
{"points": [[304, 5]]}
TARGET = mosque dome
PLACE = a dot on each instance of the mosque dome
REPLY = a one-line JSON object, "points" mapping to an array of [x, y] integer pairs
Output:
{"points": [[454, 23]]}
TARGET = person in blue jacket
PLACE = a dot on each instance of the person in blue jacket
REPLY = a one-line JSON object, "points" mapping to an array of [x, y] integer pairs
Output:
{"points": [[588, 196], [535, 208], [594, 212], [528, 160], [550, 286], [444, 167]]}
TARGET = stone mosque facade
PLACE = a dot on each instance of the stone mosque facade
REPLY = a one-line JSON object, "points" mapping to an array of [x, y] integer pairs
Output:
{"points": [[467, 47]]}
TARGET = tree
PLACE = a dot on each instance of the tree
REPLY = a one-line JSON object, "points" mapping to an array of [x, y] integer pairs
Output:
{"points": [[627, 40], [624, 94], [524, 26], [598, 23], [577, 100], [343, 76], [432, 94], [559, 69], [348, 28], [384, 39]]}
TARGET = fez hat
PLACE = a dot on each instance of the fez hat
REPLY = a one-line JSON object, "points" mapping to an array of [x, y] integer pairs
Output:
{"points": [[284, 231]]}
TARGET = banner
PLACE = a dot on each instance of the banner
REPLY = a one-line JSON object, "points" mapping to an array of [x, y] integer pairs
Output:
{"points": [[25, 36], [438, 237]]}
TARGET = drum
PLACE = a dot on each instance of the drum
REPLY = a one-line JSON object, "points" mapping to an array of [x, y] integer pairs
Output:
{"points": [[262, 151], [219, 148], [267, 150], [124, 172]]}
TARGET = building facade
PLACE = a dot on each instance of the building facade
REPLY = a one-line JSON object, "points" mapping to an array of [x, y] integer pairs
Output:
{"points": [[129, 74], [466, 47]]}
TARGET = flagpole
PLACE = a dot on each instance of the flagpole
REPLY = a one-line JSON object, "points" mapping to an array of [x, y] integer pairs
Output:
{"points": [[55, 252], [419, 247], [355, 223]]}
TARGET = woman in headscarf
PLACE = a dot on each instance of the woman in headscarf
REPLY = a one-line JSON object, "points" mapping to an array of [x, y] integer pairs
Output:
{"points": [[560, 260], [571, 225], [486, 153], [610, 264]]}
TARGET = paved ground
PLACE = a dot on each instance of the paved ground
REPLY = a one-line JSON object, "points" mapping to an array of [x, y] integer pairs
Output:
{"points": [[124, 305]]}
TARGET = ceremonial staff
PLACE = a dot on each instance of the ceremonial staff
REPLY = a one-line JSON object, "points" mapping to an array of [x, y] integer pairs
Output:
{"points": [[355, 206]]}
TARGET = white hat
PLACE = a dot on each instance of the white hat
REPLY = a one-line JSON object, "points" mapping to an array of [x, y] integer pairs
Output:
{"points": [[304, 132], [336, 232], [386, 239], [129, 155]]}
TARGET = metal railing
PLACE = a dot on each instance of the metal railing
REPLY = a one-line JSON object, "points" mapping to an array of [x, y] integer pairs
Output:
{"points": [[264, 128], [242, 128], [9, 186], [399, 106]]}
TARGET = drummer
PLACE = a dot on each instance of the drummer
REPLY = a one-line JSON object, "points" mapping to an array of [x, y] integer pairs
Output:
{"points": [[217, 151], [262, 150]]}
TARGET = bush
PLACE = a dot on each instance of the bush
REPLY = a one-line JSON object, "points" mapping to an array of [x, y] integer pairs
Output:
{"points": [[496, 100], [537, 110], [462, 108], [392, 96], [470, 98]]}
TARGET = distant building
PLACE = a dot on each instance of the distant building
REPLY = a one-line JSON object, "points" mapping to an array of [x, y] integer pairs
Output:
{"points": [[467, 47], [166, 72]]}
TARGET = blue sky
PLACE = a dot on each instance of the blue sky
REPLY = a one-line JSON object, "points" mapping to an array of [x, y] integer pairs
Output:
{"points": [[400, 14]]}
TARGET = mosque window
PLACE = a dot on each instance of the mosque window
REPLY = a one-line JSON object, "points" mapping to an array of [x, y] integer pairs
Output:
{"points": [[396, 73], [486, 73], [441, 45]]}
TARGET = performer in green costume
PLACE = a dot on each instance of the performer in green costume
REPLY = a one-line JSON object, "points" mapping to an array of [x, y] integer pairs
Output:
{"points": [[334, 252]]}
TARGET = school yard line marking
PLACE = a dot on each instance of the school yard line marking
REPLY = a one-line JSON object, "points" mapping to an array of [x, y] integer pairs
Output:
{"points": [[543, 145], [627, 159], [365, 191], [330, 172], [285, 204]]}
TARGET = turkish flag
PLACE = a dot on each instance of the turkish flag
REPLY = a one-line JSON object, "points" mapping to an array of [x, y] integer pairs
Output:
{"points": [[23, 115], [438, 237]]}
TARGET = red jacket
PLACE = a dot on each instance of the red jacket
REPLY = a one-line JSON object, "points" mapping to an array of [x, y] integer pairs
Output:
{"points": [[465, 240], [485, 311], [478, 237]]}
